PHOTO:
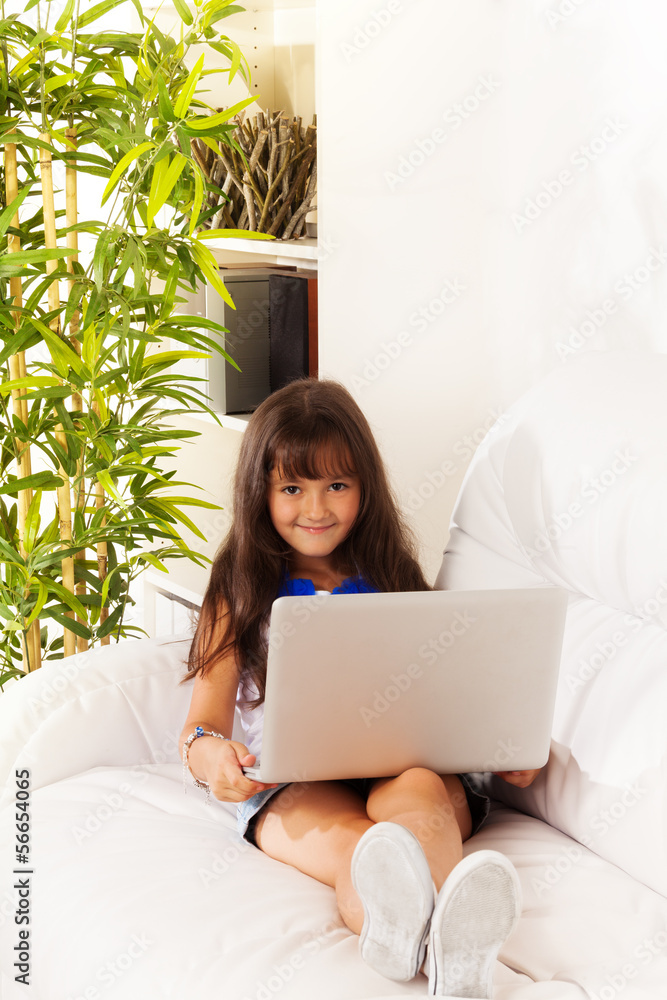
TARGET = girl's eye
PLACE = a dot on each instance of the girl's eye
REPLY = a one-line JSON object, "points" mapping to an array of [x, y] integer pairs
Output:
{"points": [[337, 487], [291, 490]]}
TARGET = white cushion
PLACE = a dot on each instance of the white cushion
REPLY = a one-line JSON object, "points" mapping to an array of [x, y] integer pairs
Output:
{"points": [[141, 890], [117, 704], [570, 489]]}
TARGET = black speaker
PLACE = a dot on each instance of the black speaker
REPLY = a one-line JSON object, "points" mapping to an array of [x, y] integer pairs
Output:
{"points": [[288, 328], [272, 336]]}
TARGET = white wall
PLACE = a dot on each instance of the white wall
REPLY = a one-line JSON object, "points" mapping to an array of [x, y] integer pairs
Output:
{"points": [[511, 158]]}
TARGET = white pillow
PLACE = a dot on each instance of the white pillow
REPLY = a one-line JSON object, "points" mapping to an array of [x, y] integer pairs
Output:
{"points": [[570, 489], [114, 705]]}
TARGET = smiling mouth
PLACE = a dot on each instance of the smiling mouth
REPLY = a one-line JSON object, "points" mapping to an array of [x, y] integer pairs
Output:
{"points": [[315, 531]]}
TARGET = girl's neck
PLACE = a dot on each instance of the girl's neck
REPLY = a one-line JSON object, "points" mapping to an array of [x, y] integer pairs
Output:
{"points": [[325, 575]]}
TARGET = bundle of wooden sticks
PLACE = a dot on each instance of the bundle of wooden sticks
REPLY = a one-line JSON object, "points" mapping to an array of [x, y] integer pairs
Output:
{"points": [[272, 189]]}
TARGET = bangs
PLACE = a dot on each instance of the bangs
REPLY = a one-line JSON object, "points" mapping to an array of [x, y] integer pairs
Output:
{"points": [[319, 455]]}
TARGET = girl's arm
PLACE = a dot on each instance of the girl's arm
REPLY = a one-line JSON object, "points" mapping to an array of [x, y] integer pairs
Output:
{"points": [[519, 778], [214, 761]]}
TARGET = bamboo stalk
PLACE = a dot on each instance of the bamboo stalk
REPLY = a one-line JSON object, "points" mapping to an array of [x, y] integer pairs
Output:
{"points": [[102, 557], [71, 218], [32, 652], [64, 494]]}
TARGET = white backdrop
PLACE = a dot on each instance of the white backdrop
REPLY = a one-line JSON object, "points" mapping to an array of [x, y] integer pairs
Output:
{"points": [[493, 202]]}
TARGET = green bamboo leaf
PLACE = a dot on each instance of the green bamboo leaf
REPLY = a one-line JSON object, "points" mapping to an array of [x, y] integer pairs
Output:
{"points": [[171, 357], [170, 510], [176, 166], [170, 288], [77, 292], [10, 674], [184, 99], [37, 479], [63, 354], [42, 597], [62, 393], [36, 256], [65, 17], [8, 213], [28, 382], [183, 11], [71, 624], [209, 266], [10, 558], [109, 625], [123, 164], [101, 257], [166, 185], [66, 596], [212, 144], [217, 6], [58, 81], [212, 121], [109, 578], [164, 101], [32, 522], [216, 234], [109, 486], [197, 202], [159, 170], [95, 12], [32, 54], [152, 559], [236, 62], [193, 501]]}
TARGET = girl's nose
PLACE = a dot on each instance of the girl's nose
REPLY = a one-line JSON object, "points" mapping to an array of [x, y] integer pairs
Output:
{"points": [[315, 506]]}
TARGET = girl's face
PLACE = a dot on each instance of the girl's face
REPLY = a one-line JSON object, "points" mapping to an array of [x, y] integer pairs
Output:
{"points": [[313, 515]]}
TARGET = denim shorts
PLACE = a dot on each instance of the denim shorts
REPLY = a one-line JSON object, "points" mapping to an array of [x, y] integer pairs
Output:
{"points": [[247, 813]]}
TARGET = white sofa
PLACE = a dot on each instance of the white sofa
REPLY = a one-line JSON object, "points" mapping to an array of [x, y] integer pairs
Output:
{"points": [[140, 892]]}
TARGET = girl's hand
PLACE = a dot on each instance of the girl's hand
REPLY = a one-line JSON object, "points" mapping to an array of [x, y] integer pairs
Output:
{"points": [[521, 779], [220, 763], [229, 783]]}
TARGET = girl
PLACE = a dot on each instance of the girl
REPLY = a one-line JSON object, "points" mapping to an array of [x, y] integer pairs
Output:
{"points": [[313, 512]]}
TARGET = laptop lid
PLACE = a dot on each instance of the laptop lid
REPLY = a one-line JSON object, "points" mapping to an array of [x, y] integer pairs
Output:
{"points": [[366, 685]]}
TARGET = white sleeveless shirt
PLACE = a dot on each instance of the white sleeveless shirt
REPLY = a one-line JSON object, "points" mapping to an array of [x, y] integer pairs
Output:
{"points": [[252, 719]]}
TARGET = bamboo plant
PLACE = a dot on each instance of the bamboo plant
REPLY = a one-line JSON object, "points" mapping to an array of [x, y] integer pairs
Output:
{"points": [[89, 400]]}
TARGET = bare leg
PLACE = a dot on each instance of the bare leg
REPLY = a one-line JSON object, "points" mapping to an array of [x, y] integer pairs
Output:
{"points": [[433, 807], [316, 826]]}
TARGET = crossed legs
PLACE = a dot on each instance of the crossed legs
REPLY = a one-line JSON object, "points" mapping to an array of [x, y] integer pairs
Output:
{"points": [[316, 827], [383, 858]]}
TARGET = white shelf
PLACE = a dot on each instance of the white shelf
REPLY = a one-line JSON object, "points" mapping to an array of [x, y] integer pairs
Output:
{"points": [[302, 252], [233, 421]]}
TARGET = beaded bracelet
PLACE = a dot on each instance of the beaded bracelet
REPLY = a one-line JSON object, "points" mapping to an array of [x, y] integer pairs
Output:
{"points": [[199, 731]]}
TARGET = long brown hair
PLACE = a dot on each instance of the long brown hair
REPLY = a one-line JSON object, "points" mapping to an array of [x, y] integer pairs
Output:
{"points": [[308, 429]]}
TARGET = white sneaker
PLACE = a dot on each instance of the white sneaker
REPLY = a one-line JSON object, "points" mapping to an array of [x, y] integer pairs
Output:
{"points": [[476, 910], [392, 878]]}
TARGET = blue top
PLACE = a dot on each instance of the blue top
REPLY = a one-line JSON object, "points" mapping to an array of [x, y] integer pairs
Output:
{"points": [[302, 586]]}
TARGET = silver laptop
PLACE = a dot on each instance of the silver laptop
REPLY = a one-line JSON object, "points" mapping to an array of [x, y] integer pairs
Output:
{"points": [[367, 685]]}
